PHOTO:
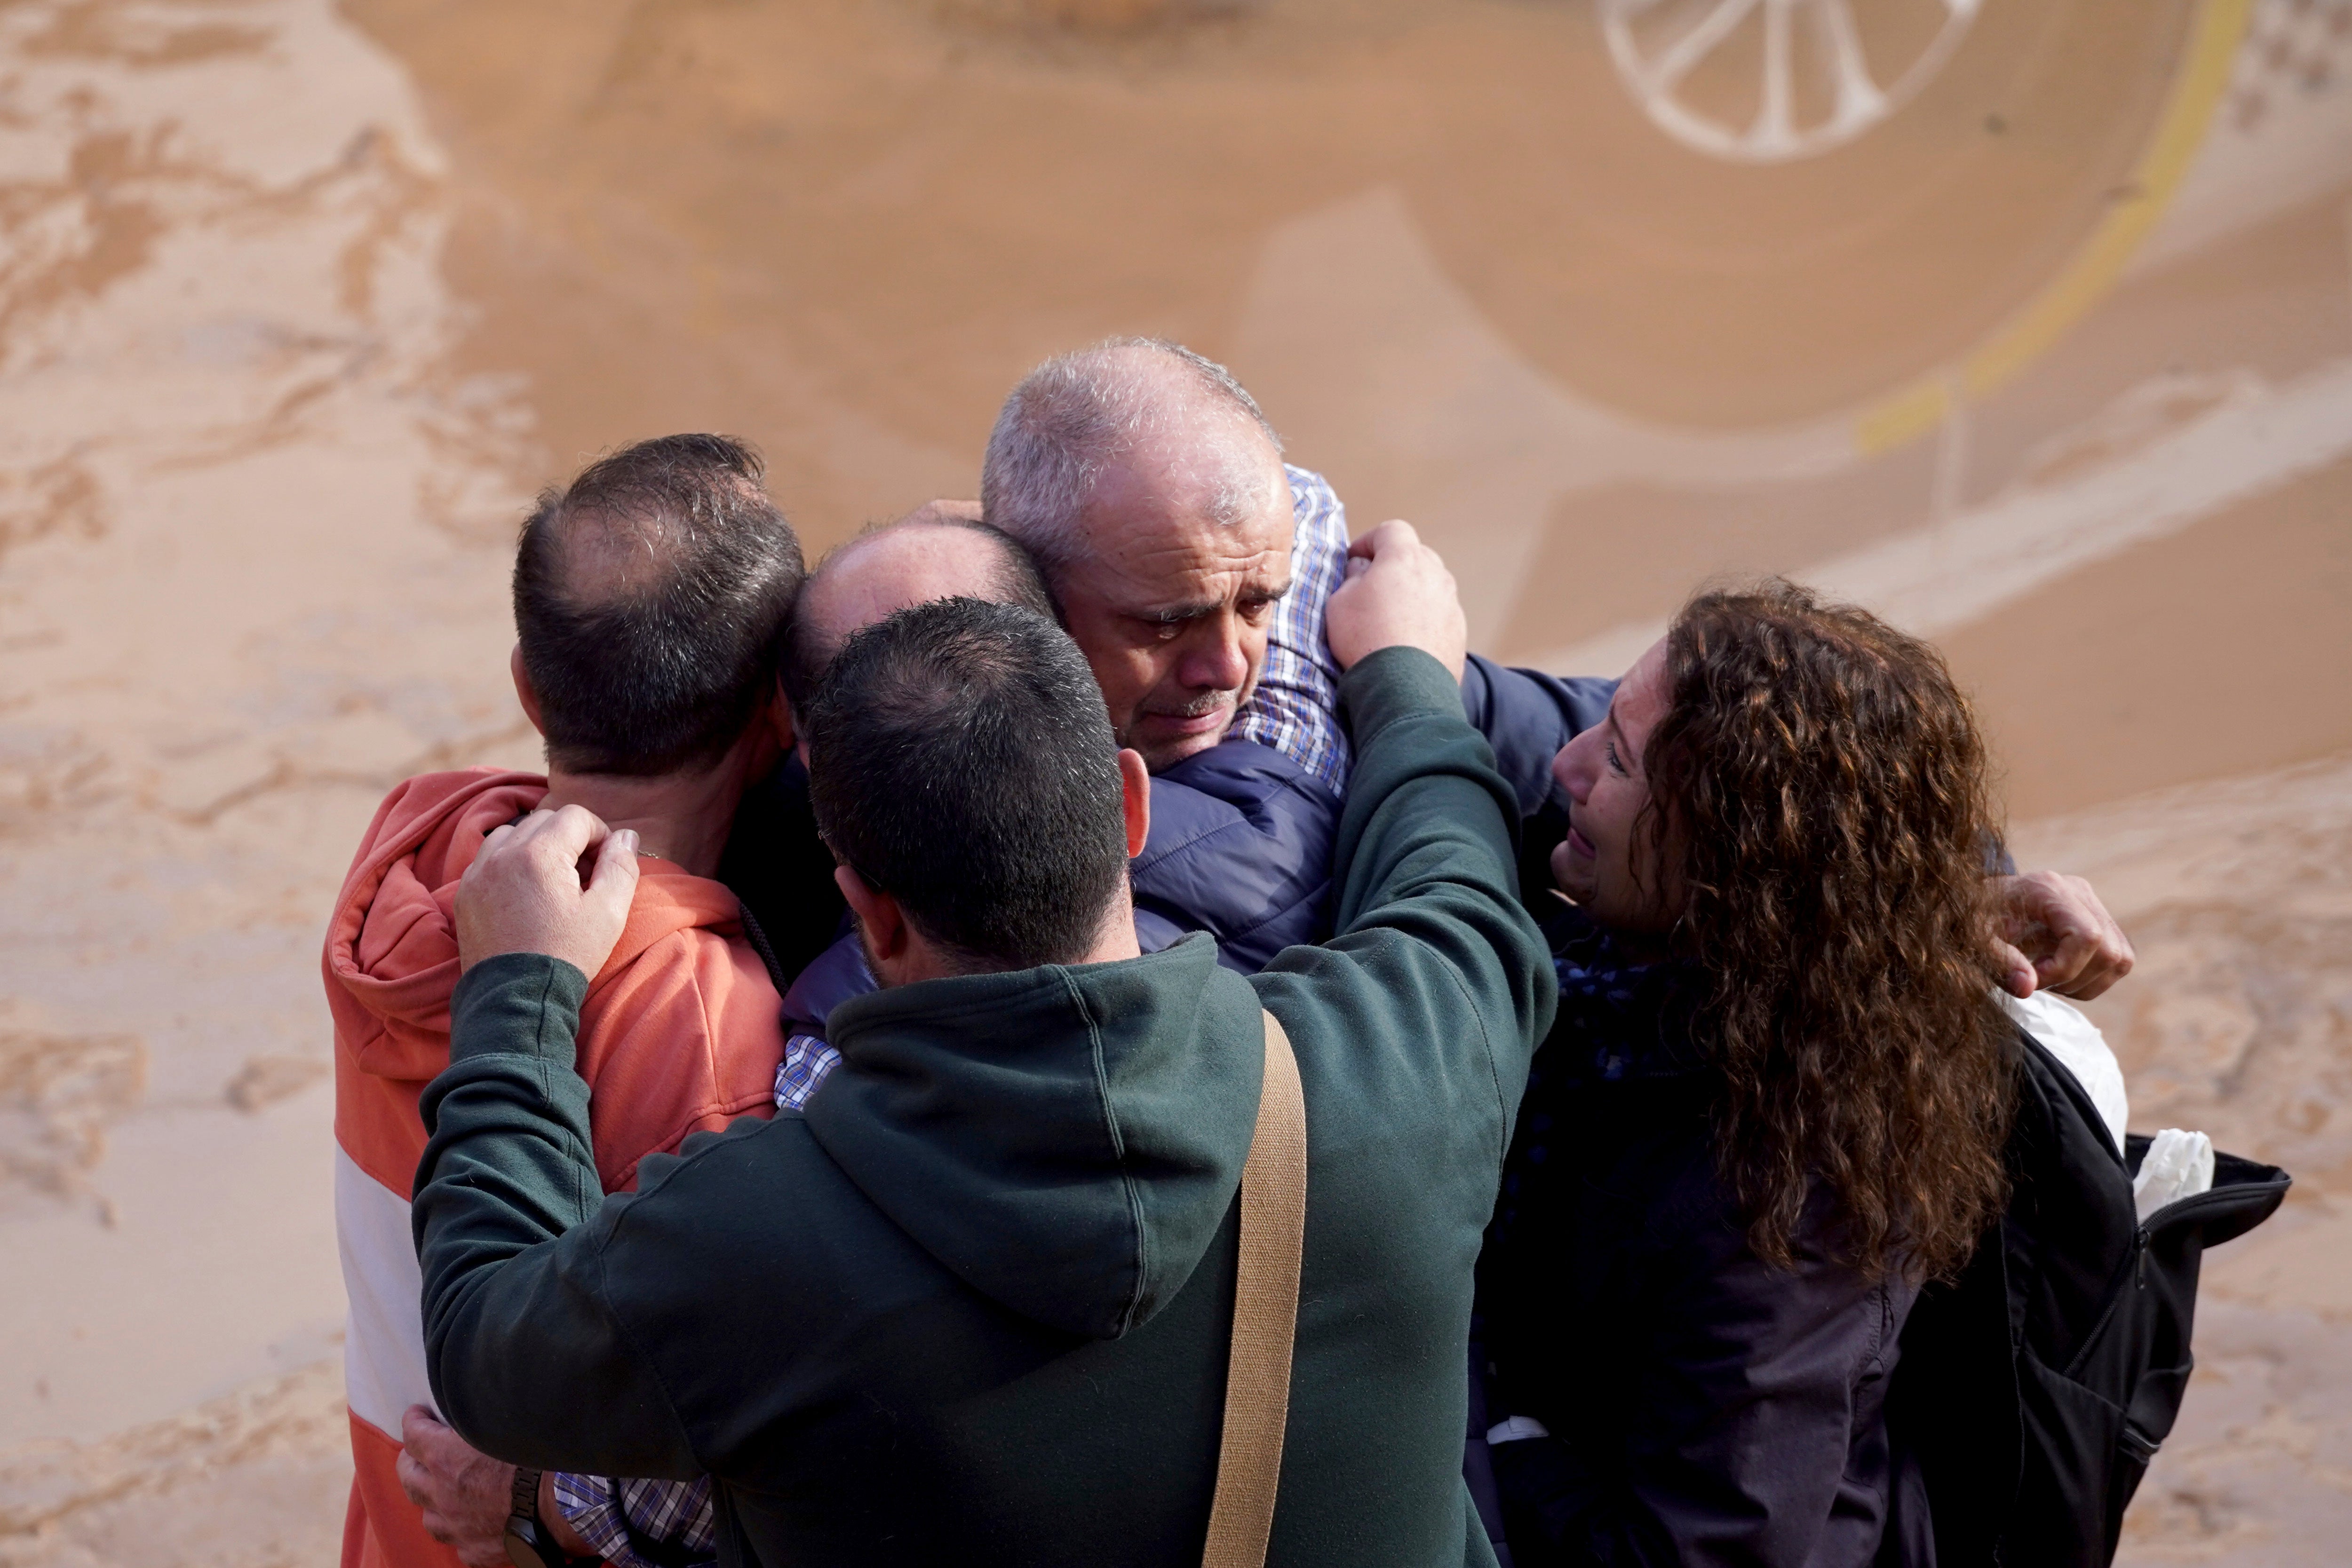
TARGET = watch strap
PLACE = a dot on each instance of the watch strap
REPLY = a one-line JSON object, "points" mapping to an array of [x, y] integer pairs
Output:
{"points": [[523, 1500], [528, 1542]]}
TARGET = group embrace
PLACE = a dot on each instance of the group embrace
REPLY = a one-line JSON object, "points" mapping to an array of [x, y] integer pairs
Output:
{"points": [[808, 1125]]}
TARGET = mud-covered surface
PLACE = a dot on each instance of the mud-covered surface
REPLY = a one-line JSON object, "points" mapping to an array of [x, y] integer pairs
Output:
{"points": [[2239, 1021], [251, 526], [298, 304], [253, 1479]]}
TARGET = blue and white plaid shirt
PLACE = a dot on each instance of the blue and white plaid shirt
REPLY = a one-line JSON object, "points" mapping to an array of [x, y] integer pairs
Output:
{"points": [[808, 1060], [641, 1524], [1295, 710]]}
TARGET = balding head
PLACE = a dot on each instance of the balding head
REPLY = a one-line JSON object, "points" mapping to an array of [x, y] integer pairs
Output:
{"points": [[648, 594], [929, 556], [1150, 488]]}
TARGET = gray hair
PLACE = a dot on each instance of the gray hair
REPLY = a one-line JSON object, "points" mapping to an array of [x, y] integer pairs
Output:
{"points": [[1073, 416]]}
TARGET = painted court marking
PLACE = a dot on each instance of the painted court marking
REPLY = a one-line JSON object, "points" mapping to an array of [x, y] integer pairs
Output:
{"points": [[1940, 577]]}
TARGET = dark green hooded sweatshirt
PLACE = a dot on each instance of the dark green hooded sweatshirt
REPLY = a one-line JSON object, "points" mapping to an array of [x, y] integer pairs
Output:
{"points": [[973, 1307]]}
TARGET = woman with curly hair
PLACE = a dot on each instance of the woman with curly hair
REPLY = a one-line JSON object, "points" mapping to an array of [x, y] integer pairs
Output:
{"points": [[1773, 1104]]}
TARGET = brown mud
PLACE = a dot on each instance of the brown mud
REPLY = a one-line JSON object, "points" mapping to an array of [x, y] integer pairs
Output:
{"points": [[299, 303]]}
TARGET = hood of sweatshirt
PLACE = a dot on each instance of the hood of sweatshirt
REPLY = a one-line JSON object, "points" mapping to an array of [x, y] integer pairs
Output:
{"points": [[1066, 1140], [391, 946]]}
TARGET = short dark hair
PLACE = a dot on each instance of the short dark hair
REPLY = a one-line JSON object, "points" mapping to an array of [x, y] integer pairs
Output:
{"points": [[658, 661], [961, 760], [802, 665]]}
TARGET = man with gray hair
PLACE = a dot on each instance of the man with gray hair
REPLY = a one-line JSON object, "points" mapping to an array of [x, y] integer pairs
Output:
{"points": [[1151, 490]]}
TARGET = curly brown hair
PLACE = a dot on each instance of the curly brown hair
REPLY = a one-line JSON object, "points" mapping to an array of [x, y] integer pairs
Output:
{"points": [[1820, 784]]}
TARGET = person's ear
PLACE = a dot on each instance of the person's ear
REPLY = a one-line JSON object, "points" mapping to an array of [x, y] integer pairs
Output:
{"points": [[1135, 799], [878, 915], [524, 693]]}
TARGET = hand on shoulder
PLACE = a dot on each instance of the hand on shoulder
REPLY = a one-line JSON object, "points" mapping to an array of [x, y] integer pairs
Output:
{"points": [[2055, 934], [532, 889]]}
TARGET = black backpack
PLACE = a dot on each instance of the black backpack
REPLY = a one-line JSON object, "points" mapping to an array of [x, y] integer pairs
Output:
{"points": [[2032, 1392]]}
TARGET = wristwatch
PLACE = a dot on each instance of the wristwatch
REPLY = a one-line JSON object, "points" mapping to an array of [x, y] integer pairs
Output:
{"points": [[528, 1543]]}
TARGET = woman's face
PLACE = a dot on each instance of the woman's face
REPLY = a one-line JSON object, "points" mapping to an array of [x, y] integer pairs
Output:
{"points": [[1598, 864]]}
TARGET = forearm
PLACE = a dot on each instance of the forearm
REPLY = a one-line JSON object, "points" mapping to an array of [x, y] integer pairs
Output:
{"points": [[1751, 1481], [508, 1162], [523, 1353], [1427, 843], [1427, 807], [1741, 1435], [563, 1513]]}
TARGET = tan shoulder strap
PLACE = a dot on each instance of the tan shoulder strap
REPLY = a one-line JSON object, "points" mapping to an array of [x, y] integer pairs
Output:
{"points": [[1265, 1316]]}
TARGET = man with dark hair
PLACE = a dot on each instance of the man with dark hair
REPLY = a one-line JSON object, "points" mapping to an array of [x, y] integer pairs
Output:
{"points": [[989, 693], [1001, 699], [975, 1304], [650, 594]]}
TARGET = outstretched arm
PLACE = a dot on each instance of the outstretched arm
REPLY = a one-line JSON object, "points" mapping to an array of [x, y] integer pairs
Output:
{"points": [[1427, 893]]}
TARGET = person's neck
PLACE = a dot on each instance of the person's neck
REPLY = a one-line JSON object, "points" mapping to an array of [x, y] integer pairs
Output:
{"points": [[681, 818], [922, 961], [1117, 938]]}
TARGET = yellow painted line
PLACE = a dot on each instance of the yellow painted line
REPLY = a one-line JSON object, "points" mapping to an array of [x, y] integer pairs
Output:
{"points": [[1904, 416], [2213, 50]]}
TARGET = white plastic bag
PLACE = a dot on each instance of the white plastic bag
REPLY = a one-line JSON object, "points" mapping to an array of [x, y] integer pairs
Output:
{"points": [[2178, 1164], [2065, 1034]]}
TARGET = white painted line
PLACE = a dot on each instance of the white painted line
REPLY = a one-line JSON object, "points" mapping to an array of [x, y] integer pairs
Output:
{"points": [[1938, 579]]}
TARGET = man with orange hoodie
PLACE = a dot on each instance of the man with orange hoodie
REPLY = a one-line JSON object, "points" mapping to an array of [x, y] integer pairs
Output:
{"points": [[650, 594]]}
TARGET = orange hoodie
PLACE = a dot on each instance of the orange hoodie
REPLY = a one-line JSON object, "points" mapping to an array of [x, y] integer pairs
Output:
{"points": [[681, 1033]]}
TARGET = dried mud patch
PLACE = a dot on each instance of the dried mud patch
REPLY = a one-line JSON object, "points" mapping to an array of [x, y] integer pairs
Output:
{"points": [[2238, 1021], [253, 1479], [57, 1093]]}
